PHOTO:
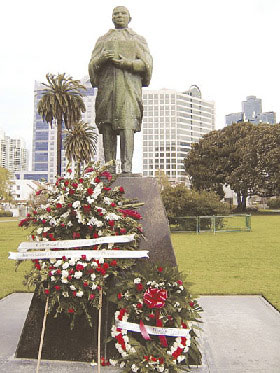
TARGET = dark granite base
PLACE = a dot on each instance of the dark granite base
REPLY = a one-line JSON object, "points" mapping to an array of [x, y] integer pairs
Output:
{"points": [[80, 344]]}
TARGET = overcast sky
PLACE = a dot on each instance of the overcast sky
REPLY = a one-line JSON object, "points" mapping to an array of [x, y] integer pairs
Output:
{"points": [[229, 48]]}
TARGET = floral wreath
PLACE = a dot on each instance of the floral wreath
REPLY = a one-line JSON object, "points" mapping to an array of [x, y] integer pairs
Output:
{"points": [[75, 208], [155, 297]]}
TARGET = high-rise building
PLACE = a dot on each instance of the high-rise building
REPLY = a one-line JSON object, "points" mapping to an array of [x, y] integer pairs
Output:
{"points": [[44, 137], [13, 153], [251, 112], [172, 122]]}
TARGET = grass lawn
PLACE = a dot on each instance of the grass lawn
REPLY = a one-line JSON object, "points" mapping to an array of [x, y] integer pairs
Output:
{"points": [[224, 263], [10, 237], [233, 263]]}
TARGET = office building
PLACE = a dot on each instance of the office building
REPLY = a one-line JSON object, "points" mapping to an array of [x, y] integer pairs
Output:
{"points": [[251, 112], [44, 137], [13, 153], [172, 122]]}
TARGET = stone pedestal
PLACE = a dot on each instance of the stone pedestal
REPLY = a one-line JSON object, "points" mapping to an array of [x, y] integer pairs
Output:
{"points": [[80, 344]]}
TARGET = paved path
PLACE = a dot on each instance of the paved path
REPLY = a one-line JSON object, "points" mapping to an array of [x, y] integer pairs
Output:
{"points": [[241, 334]]}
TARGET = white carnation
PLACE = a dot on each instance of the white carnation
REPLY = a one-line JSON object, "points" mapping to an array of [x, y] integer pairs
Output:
{"points": [[72, 287], [65, 265], [112, 216], [76, 204], [78, 275], [80, 293]]}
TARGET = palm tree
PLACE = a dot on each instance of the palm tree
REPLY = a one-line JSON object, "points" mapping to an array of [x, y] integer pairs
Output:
{"points": [[61, 101], [80, 144]]}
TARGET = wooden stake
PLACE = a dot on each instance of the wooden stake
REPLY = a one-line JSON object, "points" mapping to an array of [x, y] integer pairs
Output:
{"points": [[42, 335], [99, 332]]}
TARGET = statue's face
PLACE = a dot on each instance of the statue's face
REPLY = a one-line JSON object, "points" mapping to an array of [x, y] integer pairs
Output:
{"points": [[121, 17]]}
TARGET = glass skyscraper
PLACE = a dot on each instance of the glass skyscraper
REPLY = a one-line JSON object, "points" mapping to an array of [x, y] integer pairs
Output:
{"points": [[251, 112], [172, 122]]}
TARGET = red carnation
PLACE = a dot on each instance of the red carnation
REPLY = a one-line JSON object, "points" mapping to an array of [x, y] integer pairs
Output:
{"points": [[79, 267], [179, 282], [120, 296], [89, 191], [122, 230], [47, 292], [139, 306], [89, 169], [87, 208], [57, 287], [111, 223], [107, 175], [97, 180], [191, 304], [38, 192], [160, 269], [71, 310], [75, 185], [113, 204], [81, 180], [71, 191], [92, 296], [95, 235], [105, 265], [58, 205], [139, 287], [76, 235], [121, 189], [66, 182], [69, 171], [106, 188], [84, 257], [113, 263], [62, 225], [85, 284], [151, 316]]}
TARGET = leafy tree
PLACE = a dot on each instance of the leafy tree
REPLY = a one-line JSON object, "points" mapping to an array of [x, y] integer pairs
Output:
{"points": [[217, 160], [61, 101], [5, 186], [260, 157], [80, 144]]}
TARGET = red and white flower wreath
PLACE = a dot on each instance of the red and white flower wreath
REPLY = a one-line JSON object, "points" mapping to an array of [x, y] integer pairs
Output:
{"points": [[163, 302]]}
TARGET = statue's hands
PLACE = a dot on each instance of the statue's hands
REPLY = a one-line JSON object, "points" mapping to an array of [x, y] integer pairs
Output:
{"points": [[106, 56], [122, 63]]}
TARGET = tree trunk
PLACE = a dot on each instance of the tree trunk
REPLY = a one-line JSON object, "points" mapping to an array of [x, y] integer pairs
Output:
{"points": [[58, 146], [243, 202], [239, 201]]}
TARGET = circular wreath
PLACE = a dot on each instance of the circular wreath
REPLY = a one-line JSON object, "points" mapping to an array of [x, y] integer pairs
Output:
{"points": [[155, 297], [75, 208]]}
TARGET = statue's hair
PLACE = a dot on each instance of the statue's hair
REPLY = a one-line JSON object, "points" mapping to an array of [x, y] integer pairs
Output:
{"points": [[122, 6]]}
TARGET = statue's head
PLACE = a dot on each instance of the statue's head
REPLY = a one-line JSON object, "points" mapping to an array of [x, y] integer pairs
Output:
{"points": [[121, 17]]}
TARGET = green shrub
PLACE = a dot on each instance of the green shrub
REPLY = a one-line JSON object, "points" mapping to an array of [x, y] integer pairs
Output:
{"points": [[180, 201], [6, 214], [274, 203]]}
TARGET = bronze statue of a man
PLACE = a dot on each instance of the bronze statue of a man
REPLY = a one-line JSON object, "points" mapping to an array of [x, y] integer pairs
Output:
{"points": [[120, 66]]}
